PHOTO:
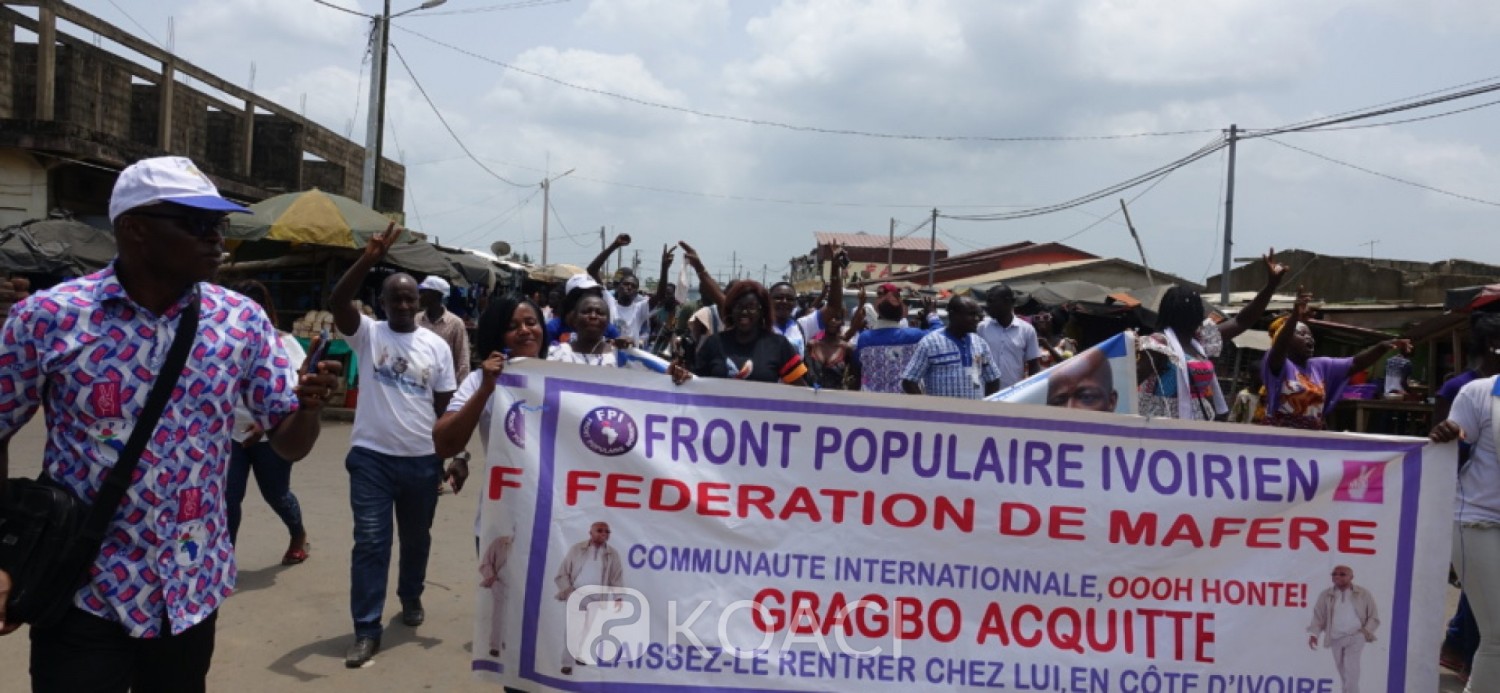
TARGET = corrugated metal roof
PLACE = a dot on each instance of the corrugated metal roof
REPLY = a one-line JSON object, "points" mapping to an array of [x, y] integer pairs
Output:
{"points": [[865, 240]]}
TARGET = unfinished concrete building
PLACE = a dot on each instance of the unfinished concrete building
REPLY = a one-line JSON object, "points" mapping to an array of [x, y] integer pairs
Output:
{"points": [[73, 114]]}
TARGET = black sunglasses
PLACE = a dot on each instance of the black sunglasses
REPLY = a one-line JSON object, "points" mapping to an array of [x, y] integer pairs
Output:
{"points": [[199, 226]]}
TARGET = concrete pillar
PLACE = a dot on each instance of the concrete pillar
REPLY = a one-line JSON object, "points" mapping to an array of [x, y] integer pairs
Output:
{"points": [[247, 154], [46, 61], [164, 109]]}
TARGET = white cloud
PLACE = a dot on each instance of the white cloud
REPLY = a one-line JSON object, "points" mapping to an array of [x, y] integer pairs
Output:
{"points": [[619, 74], [1167, 42], [816, 43], [689, 21], [245, 24]]}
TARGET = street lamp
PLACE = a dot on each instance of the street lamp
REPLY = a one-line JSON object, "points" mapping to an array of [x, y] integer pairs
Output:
{"points": [[375, 128], [547, 208]]}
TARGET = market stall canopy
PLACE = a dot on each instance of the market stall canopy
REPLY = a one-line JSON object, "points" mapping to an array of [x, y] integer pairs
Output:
{"points": [[473, 266], [554, 273], [421, 256], [311, 216], [55, 246], [272, 256], [1035, 296], [1471, 297]]}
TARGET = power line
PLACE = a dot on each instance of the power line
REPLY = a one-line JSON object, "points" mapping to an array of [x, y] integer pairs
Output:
{"points": [[502, 217], [343, 9], [971, 245], [719, 196], [1111, 215], [1213, 251], [1335, 120], [411, 192], [795, 127], [1158, 172], [358, 91], [920, 225], [552, 209], [1389, 177], [446, 126], [1217, 145], [471, 205], [137, 24], [1400, 100], [495, 8], [1403, 121]]}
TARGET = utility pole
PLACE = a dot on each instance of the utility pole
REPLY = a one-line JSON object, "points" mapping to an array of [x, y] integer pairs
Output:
{"points": [[932, 252], [1234, 136], [763, 275], [1140, 249], [734, 265], [890, 252], [1371, 243], [375, 127], [547, 208]]}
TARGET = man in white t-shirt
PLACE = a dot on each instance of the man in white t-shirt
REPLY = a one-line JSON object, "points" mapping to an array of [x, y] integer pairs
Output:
{"points": [[628, 312], [1012, 340], [406, 379]]}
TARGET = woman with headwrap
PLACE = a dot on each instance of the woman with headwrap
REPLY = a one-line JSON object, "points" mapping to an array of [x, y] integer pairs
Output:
{"points": [[1301, 388], [1174, 367]]}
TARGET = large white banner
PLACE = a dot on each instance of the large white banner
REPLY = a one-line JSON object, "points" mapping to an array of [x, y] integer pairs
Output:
{"points": [[723, 535]]}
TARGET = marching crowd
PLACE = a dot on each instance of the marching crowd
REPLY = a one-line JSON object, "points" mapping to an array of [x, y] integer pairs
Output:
{"points": [[86, 351]]}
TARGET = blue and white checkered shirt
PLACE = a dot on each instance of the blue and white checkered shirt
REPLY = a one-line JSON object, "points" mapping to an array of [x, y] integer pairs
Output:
{"points": [[946, 366]]}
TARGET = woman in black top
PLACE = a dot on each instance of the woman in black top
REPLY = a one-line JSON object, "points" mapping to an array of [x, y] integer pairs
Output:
{"points": [[748, 349]]}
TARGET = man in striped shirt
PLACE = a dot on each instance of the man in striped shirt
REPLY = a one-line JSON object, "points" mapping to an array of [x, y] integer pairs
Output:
{"points": [[953, 362]]}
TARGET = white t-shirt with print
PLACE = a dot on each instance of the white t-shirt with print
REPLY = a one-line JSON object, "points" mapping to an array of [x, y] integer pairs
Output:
{"points": [[633, 321], [466, 390], [564, 353], [1478, 498], [399, 375]]}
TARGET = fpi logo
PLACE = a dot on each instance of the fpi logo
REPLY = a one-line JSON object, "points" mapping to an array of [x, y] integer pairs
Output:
{"points": [[608, 431], [515, 424], [1363, 482]]}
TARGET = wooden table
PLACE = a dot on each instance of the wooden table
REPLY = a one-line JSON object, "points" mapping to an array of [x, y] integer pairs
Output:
{"points": [[1363, 408]]}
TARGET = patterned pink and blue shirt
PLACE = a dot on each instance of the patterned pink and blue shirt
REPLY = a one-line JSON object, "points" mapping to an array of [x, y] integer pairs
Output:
{"points": [[88, 354]]}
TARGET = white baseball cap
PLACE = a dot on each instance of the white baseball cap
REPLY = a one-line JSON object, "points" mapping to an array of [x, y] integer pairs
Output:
{"points": [[434, 283], [579, 281], [172, 179]]}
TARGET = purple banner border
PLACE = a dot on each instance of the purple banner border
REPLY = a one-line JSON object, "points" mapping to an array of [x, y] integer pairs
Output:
{"points": [[556, 387]]}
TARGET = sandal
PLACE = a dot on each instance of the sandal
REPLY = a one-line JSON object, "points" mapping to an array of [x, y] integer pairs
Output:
{"points": [[296, 553]]}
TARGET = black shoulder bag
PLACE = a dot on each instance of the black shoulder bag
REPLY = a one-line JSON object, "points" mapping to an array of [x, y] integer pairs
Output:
{"points": [[48, 537]]}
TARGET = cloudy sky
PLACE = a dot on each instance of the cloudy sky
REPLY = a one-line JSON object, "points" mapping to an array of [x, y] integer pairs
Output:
{"points": [[713, 120]]}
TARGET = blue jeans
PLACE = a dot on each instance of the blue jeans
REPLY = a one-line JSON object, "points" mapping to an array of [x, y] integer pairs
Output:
{"points": [[378, 484], [274, 477]]}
